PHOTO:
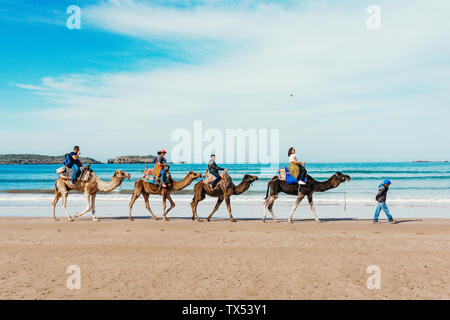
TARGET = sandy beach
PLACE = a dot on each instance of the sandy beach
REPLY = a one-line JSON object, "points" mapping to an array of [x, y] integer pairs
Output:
{"points": [[181, 259]]}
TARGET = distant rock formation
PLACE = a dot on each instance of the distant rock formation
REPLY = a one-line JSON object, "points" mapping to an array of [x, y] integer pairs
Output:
{"points": [[37, 159], [132, 159]]}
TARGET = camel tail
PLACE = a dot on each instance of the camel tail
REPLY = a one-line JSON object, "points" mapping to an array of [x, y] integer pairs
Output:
{"points": [[267, 192], [268, 186]]}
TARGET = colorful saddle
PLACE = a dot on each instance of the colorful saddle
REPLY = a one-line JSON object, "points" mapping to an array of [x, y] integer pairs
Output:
{"points": [[224, 183], [286, 176]]}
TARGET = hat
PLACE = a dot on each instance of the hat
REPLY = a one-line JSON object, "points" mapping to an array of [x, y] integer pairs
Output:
{"points": [[387, 181], [163, 151]]}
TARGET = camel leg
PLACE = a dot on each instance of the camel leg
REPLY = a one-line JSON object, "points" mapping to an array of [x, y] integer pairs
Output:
{"points": [[265, 209], [164, 198], [147, 205], [136, 193], [311, 205], [172, 203], [88, 206], [269, 204], [55, 201], [297, 202], [94, 218], [64, 203], [227, 201], [219, 201], [194, 205]]}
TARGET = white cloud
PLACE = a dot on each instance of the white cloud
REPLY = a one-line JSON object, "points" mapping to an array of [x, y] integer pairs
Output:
{"points": [[324, 55]]}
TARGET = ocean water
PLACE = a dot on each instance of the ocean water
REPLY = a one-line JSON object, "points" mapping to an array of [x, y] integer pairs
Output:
{"points": [[414, 185]]}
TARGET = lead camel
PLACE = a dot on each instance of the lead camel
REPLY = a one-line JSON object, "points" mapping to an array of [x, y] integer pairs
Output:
{"points": [[275, 186]]}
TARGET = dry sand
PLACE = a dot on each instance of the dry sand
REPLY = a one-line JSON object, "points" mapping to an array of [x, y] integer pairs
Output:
{"points": [[181, 259]]}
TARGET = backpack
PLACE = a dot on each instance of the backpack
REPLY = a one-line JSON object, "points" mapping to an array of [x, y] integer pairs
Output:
{"points": [[67, 160], [154, 159]]}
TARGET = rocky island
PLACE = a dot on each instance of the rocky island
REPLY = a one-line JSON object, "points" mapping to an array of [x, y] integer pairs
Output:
{"points": [[132, 159], [37, 159]]}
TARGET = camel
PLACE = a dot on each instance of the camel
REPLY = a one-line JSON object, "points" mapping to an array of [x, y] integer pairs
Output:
{"points": [[88, 188], [147, 188], [276, 186], [200, 190]]}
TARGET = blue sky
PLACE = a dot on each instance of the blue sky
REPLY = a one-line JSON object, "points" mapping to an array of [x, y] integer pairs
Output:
{"points": [[138, 70]]}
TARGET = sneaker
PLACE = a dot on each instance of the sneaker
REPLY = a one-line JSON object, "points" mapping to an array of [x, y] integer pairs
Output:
{"points": [[375, 222], [301, 182], [393, 221], [164, 185]]}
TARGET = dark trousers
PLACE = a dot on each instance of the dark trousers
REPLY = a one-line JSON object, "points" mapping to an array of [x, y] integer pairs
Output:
{"points": [[303, 173], [217, 175]]}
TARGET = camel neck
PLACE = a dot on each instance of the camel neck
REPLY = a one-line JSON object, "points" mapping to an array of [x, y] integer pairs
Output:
{"points": [[331, 183], [241, 187], [107, 186], [178, 185]]}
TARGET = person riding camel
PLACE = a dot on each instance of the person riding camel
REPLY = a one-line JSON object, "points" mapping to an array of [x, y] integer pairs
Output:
{"points": [[214, 170], [160, 166], [296, 168], [72, 160]]}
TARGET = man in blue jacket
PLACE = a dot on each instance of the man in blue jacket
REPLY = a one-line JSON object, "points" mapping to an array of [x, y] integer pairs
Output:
{"points": [[73, 161], [381, 199]]}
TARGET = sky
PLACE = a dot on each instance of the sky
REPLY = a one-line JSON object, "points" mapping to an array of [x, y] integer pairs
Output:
{"points": [[137, 71]]}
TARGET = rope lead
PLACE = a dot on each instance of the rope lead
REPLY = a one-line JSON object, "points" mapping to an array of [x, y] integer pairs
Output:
{"points": [[345, 199]]}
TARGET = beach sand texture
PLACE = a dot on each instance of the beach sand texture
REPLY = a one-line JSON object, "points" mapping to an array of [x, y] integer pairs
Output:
{"points": [[181, 259]]}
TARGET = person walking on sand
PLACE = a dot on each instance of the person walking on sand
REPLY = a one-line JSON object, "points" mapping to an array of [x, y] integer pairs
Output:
{"points": [[72, 160], [381, 199], [214, 170], [296, 168]]}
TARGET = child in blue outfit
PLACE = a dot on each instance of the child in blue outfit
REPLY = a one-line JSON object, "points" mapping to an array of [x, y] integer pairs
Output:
{"points": [[381, 199]]}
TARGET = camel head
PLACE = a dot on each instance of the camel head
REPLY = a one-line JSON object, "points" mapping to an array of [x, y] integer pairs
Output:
{"points": [[121, 175], [342, 177], [194, 175], [249, 178]]}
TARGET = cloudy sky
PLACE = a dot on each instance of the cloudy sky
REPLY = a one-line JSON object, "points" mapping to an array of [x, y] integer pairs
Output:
{"points": [[138, 70]]}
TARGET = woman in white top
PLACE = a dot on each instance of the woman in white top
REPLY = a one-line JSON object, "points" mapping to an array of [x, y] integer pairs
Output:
{"points": [[294, 165]]}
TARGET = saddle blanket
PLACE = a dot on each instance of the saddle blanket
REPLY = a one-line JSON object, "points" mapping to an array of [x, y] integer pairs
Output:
{"points": [[224, 183], [67, 173], [286, 176]]}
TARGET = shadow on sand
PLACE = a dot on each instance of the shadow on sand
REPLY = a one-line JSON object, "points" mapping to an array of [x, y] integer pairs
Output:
{"points": [[324, 220]]}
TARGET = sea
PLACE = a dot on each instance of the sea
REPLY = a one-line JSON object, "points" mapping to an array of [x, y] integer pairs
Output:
{"points": [[419, 190]]}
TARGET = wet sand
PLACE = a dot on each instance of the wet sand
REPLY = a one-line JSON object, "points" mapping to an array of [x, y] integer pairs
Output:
{"points": [[182, 259]]}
